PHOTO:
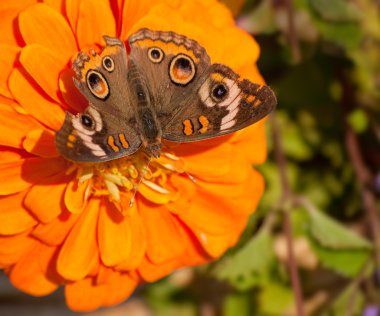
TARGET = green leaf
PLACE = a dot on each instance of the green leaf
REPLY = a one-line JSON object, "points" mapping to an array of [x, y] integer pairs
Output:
{"points": [[345, 35], [358, 120], [293, 142], [273, 189], [275, 299], [237, 304], [345, 262], [249, 266], [330, 233], [336, 10]]}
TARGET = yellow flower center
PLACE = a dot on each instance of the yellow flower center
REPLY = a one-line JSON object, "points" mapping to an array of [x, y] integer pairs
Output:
{"points": [[120, 179]]}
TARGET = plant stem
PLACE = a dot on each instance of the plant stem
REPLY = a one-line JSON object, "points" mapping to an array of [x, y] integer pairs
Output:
{"points": [[292, 33], [364, 178], [362, 172], [287, 197]]}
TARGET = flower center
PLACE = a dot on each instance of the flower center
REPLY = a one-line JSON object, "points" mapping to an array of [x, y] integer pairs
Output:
{"points": [[120, 179]]}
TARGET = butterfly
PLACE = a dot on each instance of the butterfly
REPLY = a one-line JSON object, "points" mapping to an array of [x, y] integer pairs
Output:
{"points": [[163, 87]]}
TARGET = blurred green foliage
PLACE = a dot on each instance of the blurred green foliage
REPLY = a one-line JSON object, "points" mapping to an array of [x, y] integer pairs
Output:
{"points": [[332, 87]]}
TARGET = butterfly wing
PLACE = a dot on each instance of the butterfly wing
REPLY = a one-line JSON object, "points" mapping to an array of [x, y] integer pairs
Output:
{"points": [[104, 131], [195, 99]]}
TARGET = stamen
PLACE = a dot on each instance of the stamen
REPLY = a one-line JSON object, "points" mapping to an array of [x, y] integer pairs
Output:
{"points": [[113, 190], [155, 187], [120, 178], [171, 156], [138, 184]]}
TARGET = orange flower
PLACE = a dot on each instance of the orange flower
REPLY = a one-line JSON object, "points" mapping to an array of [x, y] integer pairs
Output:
{"points": [[69, 224]]}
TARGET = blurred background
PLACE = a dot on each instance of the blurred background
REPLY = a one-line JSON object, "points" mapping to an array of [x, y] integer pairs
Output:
{"points": [[313, 245]]}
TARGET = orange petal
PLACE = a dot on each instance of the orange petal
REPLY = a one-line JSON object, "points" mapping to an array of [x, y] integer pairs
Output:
{"points": [[14, 218], [84, 295], [132, 12], [103, 275], [156, 196], [236, 167], [251, 72], [76, 196], [252, 142], [80, 249], [164, 234], [121, 285], [7, 59], [45, 199], [43, 25], [44, 66], [160, 22], [55, 232], [73, 98], [18, 175], [228, 215], [14, 126], [47, 261], [195, 157], [138, 246], [187, 190], [151, 272], [40, 142], [72, 12], [117, 9], [114, 235], [4, 101], [193, 254], [94, 21], [246, 49], [13, 248], [32, 98], [8, 154], [220, 204], [216, 245], [9, 12], [29, 274], [57, 5]]}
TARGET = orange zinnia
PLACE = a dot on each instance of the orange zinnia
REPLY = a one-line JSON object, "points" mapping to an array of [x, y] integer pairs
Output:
{"points": [[70, 224]]}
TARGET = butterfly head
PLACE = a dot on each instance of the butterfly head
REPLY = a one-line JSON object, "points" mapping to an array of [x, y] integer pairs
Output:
{"points": [[154, 149]]}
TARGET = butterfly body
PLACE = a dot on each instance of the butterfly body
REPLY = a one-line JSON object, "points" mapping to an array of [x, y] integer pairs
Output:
{"points": [[164, 88]]}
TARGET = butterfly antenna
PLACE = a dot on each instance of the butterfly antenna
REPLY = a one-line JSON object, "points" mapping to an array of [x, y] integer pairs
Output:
{"points": [[132, 201]]}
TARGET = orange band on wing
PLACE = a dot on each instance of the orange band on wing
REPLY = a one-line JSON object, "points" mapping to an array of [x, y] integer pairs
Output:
{"points": [[187, 127], [111, 143], [123, 141], [203, 120]]}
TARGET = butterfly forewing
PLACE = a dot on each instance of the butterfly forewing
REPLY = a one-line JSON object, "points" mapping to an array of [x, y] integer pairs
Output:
{"points": [[172, 66]]}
